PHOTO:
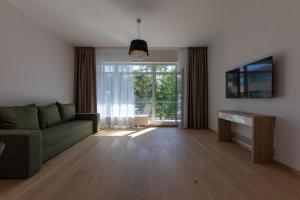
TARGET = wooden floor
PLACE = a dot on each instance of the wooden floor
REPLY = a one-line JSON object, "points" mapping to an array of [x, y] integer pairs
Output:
{"points": [[162, 163]]}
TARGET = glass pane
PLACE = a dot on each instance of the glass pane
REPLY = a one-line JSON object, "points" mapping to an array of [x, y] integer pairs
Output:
{"points": [[143, 94], [166, 97], [166, 68], [142, 68]]}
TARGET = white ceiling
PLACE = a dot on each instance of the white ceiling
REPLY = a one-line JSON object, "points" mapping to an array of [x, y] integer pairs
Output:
{"points": [[112, 23]]}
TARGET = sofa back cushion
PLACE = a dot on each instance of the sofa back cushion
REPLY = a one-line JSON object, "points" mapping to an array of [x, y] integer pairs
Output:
{"points": [[67, 111], [48, 116], [19, 117]]}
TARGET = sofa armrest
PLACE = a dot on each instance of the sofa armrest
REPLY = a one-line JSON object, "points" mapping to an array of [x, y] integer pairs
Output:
{"points": [[95, 117], [22, 156]]}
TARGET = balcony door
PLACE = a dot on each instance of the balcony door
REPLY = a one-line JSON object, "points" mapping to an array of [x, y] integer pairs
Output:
{"points": [[157, 93]]}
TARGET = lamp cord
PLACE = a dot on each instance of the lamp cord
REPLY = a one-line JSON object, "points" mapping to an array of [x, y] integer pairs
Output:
{"points": [[139, 22]]}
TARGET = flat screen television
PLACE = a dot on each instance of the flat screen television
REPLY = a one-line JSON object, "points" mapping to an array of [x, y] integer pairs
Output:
{"points": [[254, 80]]}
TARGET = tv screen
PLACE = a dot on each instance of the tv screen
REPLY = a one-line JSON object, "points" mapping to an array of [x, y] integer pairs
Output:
{"points": [[254, 80]]}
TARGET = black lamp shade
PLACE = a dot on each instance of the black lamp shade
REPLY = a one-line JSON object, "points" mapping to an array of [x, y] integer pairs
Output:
{"points": [[138, 48]]}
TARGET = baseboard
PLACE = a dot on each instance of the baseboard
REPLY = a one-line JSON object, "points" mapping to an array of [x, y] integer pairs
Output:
{"points": [[288, 168], [242, 144], [216, 132], [163, 126]]}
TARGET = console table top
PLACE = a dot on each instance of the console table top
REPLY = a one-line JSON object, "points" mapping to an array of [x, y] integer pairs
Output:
{"points": [[243, 114]]}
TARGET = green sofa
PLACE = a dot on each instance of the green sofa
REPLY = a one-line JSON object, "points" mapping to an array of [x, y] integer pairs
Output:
{"points": [[26, 148]]}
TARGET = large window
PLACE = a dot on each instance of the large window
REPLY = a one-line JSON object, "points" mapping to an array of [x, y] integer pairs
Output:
{"points": [[127, 90]]}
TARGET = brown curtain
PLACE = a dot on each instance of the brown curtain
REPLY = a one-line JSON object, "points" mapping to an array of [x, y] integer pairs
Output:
{"points": [[85, 80], [197, 88]]}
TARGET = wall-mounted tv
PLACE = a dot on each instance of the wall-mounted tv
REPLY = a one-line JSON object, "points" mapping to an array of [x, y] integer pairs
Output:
{"points": [[254, 80]]}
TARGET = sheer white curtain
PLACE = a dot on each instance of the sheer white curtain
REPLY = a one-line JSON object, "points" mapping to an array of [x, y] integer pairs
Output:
{"points": [[115, 91]]}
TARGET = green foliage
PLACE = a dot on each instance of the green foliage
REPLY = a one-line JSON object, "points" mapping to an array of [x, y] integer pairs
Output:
{"points": [[142, 91]]}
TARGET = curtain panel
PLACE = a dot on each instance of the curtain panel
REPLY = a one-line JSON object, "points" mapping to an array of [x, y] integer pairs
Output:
{"points": [[197, 88], [115, 90], [85, 80]]}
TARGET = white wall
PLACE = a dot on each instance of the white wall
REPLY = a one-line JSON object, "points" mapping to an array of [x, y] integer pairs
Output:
{"points": [[271, 28], [35, 66], [155, 55], [162, 56]]}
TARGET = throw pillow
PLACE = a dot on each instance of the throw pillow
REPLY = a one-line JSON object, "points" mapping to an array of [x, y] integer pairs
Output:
{"points": [[67, 111], [48, 116], [19, 117]]}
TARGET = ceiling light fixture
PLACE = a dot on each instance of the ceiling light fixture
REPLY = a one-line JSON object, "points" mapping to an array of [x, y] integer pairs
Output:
{"points": [[138, 48]]}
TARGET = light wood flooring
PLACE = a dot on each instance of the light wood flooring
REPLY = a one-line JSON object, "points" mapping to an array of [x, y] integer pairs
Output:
{"points": [[162, 163]]}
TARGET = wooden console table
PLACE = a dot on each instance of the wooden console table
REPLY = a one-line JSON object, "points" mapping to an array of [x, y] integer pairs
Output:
{"points": [[262, 132]]}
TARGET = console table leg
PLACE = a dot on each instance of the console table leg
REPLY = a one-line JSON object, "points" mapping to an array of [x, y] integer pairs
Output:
{"points": [[262, 134], [224, 133]]}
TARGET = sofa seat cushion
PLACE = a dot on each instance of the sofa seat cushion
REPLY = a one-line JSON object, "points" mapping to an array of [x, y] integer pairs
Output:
{"points": [[58, 138]]}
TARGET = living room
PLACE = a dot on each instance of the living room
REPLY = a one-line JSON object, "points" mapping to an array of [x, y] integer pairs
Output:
{"points": [[131, 99]]}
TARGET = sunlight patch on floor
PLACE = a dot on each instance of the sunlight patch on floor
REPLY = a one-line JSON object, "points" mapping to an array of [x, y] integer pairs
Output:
{"points": [[116, 133], [132, 133]]}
